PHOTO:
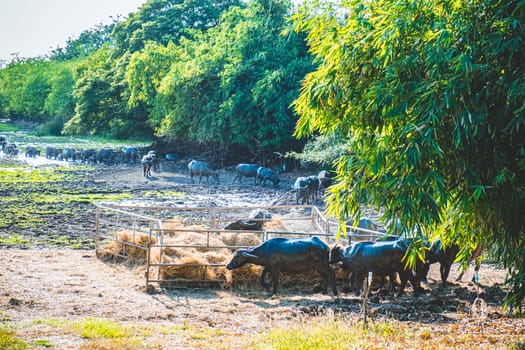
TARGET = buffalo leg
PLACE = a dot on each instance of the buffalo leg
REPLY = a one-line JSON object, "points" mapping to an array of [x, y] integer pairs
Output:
{"points": [[328, 277], [275, 280], [444, 270], [264, 276], [403, 276]]}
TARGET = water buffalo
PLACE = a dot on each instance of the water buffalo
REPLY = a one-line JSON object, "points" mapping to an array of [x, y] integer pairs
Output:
{"points": [[244, 225], [264, 174], [446, 256], [106, 156], [293, 256], [3, 141], [130, 155], [68, 153], [365, 223], [86, 154], [155, 165], [10, 149], [147, 163], [476, 257], [326, 179], [246, 170], [31, 151], [256, 220], [305, 187], [202, 169], [383, 258]]}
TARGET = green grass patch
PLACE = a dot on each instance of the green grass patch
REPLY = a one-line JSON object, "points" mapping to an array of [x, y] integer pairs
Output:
{"points": [[14, 240], [335, 332], [79, 197], [163, 194], [9, 340], [9, 127], [40, 175], [92, 328]]}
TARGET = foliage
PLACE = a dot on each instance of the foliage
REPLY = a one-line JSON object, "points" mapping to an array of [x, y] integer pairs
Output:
{"points": [[37, 91], [215, 72], [165, 21], [9, 341], [233, 84], [323, 150], [87, 43], [429, 98]]}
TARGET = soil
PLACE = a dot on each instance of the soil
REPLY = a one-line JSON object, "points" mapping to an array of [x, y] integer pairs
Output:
{"points": [[42, 279]]}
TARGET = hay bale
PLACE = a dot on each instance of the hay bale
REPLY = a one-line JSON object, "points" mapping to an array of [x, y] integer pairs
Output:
{"points": [[129, 245], [241, 239], [192, 239], [189, 267], [246, 275], [217, 257], [302, 280], [276, 224], [172, 224]]}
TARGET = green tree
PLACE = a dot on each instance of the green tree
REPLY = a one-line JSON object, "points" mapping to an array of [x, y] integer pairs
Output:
{"points": [[101, 96], [88, 42], [24, 85], [164, 21], [429, 98], [233, 84]]}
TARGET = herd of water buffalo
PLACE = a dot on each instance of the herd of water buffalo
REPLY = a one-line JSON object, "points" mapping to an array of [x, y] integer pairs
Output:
{"points": [[306, 188], [383, 258]]}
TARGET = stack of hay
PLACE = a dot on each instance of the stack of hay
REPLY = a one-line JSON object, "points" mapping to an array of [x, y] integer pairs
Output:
{"points": [[189, 254]]}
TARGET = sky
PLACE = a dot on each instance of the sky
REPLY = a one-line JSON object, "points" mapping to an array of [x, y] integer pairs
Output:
{"points": [[32, 28]]}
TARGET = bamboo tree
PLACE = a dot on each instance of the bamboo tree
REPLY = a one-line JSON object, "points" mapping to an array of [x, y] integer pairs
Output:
{"points": [[429, 97]]}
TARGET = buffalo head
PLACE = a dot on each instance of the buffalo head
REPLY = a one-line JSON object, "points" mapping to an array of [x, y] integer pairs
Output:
{"points": [[241, 258]]}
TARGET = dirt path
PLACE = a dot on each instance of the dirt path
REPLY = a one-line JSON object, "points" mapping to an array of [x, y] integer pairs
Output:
{"points": [[72, 284]]}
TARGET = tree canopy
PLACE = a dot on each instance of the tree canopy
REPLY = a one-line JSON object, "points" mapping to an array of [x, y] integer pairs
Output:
{"points": [[208, 71], [429, 99]]}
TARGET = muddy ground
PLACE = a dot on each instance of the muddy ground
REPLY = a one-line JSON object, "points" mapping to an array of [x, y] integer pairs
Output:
{"points": [[44, 278]]}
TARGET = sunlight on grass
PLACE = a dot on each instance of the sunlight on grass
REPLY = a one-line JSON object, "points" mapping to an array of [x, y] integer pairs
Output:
{"points": [[9, 340], [341, 332], [25, 174], [8, 127], [163, 194]]}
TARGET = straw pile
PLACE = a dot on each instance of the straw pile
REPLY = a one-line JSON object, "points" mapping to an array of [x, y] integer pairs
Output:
{"points": [[189, 253], [129, 246]]}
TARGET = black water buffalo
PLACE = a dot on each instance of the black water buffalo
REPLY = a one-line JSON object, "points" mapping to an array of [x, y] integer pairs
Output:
{"points": [[306, 187], [383, 258], [130, 155], [156, 164], [364, 225], [50, 152], [293, 256], [69, 153], [326, 178], [476, 257], [300, 187], [244, 225], [264, 174], [31, 151], [446, 256], [202, 169], [10, 149], [3, 141], [85, 154], [246, 170]]}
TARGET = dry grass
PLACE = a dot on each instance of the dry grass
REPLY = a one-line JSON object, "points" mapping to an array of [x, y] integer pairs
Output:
{"points": [[190, 253]]}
